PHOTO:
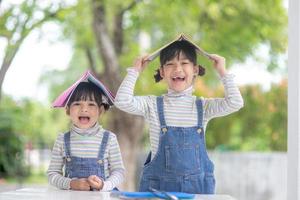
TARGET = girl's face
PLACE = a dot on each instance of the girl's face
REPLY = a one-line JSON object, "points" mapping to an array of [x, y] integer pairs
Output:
{"points": [[84, 114], [179, 73]]}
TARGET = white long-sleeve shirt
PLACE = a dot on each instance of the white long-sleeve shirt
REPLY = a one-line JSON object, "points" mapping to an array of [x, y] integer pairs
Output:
{"points": [[86, 144], [179, 108]]}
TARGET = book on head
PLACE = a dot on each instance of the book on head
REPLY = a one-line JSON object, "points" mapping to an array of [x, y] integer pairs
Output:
{"points": [[63, 99], [181, 37]]}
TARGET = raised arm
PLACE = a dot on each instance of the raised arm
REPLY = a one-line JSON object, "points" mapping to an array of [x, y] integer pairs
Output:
{"points": [[232, 101], [125, 99]]}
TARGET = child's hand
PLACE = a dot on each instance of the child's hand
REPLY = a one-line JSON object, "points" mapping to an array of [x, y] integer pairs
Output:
{"points": [[80, 184], [219, 63], [95, 182], [140, 63]]}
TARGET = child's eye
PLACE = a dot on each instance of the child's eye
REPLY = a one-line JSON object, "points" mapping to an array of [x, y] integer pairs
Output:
{"points": [[92, 104], [169, 64], [75, 104]]}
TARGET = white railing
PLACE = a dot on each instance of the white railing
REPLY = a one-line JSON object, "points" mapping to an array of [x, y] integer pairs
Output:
{"points": [[251, 175], [243, 175]]}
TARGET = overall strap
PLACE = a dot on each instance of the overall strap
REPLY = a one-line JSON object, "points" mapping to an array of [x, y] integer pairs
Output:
{"points": [[67, 144], [160, 110], [103, 145], [199, 112], [101, 153]]}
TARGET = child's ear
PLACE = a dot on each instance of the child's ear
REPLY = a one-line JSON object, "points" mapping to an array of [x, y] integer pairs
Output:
{"points": [[161, 72], [101, 109], [196, 70]]}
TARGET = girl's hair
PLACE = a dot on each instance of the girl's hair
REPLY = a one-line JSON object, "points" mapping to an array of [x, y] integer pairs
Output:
{"points": [[174, 50], [87, 91]]}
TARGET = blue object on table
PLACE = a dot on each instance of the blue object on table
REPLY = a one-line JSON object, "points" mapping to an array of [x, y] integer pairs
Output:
{"points": [[179, 195], [167, 195]]}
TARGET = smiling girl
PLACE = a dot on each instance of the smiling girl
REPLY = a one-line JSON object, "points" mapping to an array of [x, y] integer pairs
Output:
{"points": [[178, 160], [87, 157]]}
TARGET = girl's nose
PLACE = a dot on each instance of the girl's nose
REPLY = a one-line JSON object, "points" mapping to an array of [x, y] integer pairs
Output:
{"points": [[83, 108], [178, 67]]}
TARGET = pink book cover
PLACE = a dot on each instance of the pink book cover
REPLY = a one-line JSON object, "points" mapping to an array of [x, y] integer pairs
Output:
{"points": [[63, 98]]}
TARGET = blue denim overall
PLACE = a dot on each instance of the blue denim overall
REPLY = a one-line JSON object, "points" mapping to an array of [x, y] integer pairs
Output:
{"points": [[77, 167], [181, 163]]}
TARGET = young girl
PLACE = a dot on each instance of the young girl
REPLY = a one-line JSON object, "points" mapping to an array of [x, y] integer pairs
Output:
{"points": [[87, 157], [177, 120]]}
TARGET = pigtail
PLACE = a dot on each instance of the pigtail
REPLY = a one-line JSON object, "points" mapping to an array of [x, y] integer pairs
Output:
{"points": [[201, 70], [157, 76], [106, 106]]}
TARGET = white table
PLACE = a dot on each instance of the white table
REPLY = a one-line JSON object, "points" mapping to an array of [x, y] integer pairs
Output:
{"points": [[50, 193]]}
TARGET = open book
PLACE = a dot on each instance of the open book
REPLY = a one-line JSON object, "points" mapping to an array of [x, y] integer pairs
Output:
{"points": [[181, 37], [63, 98]]}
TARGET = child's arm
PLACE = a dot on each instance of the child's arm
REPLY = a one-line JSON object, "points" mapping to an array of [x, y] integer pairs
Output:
{"points": [[125, 99], [55, 173], [232, 102], [116, 169], [219, 64]]}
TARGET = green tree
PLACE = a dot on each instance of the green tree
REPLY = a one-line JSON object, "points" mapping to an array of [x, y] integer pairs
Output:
{"points": [[33, 121], [107, 33], [11, 144], [17, 22]]}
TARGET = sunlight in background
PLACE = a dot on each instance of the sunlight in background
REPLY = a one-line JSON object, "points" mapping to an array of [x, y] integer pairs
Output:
{"points": [[256, 151], [40, 54], [35, 56], [28, 66], [254, 70]]}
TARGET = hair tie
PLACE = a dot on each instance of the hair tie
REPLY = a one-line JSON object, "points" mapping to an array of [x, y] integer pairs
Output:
{"points": [[157, 76], [201, 70]]}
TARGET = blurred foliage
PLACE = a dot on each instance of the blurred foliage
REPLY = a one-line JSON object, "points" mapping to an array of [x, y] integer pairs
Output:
{"points": [[24, 125], [260, 126], [11, 144], [35, 124], [58, 81], [233, 29], [17, 22]]}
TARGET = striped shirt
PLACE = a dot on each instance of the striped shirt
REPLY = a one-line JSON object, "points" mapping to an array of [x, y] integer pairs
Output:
{"points": [[86, 144], [180, 108]]}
